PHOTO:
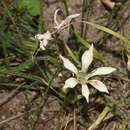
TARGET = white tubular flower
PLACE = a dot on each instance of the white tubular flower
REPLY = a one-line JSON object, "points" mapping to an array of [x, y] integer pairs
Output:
{"points": [[82, 77], [44, 38], [63, 22]]}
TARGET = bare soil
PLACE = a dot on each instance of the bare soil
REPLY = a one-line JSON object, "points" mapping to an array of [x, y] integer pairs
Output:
{"points": [[112, 51]]}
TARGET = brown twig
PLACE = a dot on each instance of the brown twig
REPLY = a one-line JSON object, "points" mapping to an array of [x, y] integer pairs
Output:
{"points": [[74, 118], [17, 116], [67, 121], [7, 98], [108, 3], [62, 121]]}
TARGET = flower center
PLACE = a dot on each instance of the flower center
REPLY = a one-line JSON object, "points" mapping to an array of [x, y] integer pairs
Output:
{"points": [[81, 77]]}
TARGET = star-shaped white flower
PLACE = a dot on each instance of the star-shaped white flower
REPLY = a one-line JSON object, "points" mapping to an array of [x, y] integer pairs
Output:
{"points": [[44, 38], [63, 22], [82, 77]]}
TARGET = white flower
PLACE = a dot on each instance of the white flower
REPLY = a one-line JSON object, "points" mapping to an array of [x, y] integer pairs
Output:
{"points": [[63, 22], [44, 38], [82, 77], [64, 25]]}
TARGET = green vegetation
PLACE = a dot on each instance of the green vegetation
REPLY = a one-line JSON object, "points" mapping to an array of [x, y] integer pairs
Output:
{"points": [[21, 57]]}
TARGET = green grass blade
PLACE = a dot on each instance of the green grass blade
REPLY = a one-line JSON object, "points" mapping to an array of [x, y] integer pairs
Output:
{"points": [[83, 15], [86, 44], [87, 17], [123, 124], [10, 84], [39, 106], [20, 74], [32, 86], [110, 32], [41, 23], [5, 51], [71, 54], [24, 65], [42, 100], [66, 7]]}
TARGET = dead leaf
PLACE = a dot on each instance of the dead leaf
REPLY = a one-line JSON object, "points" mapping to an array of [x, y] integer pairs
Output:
{"points": [[108, 3], [127, 50]]}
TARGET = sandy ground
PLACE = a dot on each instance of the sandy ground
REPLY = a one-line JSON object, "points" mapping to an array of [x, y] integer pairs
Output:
{"points": [[48, 117]]}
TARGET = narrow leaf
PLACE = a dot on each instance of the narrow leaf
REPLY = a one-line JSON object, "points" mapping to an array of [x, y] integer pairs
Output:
{"points": [[110, 31], [85, 43], [24, 65], [71, 53]]}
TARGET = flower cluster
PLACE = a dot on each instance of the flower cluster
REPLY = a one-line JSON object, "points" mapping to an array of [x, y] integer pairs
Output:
{"points": [[82, 77], [64, 22], [44, 38]]}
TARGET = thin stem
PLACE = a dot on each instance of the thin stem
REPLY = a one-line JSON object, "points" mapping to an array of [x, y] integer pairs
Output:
{"points": [[12, 19], [17, 116], [87, 18], [82, 24], [62, 121], [41, 28], [72, 55], [67, 119], [8, 97], [123, 124], [41, 22], [5, 51], [74, 118], [66, 7]]}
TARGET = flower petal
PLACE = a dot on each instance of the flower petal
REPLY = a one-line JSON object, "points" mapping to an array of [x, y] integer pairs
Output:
{"points": [[39, 36], [85, 92], [66, 34], [59, 27], [102, 71], [98, 85], [70, 17], [55, 15], [70, 83], [87, 58], [68, 65], [46, 36], [64, 22], [43, 44], [43, 48]]}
